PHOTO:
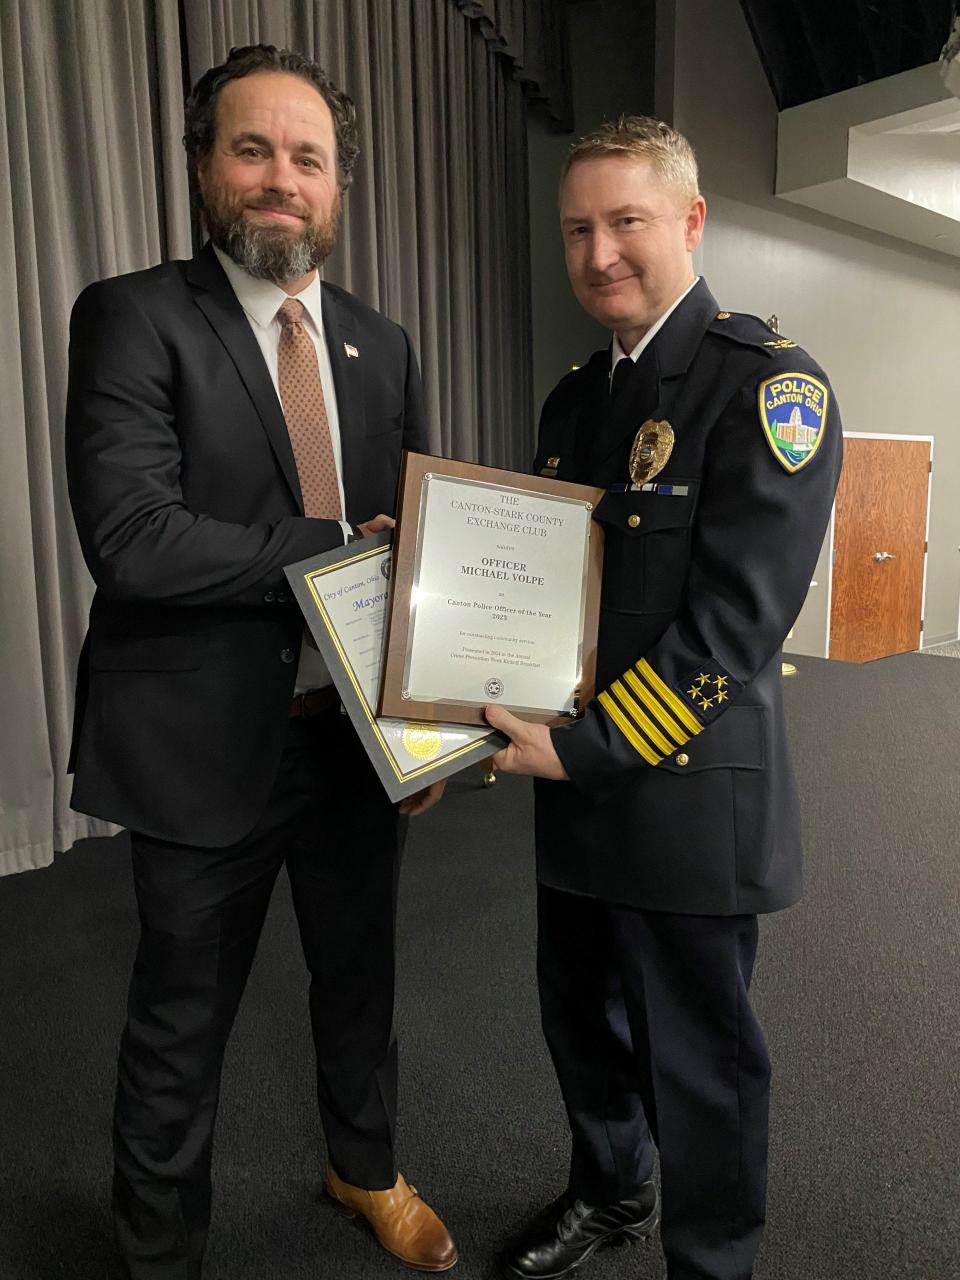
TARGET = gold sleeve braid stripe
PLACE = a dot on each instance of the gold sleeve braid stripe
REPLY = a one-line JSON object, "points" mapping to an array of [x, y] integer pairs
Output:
{"points": [[627, 729], [679, 736], [663, 691], [658, 733], [643, 722]]}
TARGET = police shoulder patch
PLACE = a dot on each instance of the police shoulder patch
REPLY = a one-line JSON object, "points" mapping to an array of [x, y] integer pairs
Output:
{"points": [[793, 414]]}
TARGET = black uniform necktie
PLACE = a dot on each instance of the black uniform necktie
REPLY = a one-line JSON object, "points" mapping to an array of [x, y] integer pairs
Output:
{"points": [[622, 373]]}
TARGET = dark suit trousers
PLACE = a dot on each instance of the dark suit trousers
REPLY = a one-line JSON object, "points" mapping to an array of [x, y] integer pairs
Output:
{"points": [[201, 913], [655, 1045]]}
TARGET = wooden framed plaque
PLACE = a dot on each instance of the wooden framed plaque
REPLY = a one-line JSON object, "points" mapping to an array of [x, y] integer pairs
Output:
{"points": [[496, 595]]}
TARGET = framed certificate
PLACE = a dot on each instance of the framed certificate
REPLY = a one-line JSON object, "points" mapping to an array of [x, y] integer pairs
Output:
{"points": [[496, 595], [344, 596]]}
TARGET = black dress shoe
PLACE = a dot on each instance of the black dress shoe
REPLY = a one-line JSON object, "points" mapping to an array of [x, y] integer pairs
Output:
{"points": [[568, 1232]]}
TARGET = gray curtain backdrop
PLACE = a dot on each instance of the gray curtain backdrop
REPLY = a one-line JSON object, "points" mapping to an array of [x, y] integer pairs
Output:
{"points": [[93, 183], [532, 33], [90, 186]]}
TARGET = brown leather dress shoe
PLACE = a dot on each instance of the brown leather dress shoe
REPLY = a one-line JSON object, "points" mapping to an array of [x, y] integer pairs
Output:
{"points": [[403, 1224]]}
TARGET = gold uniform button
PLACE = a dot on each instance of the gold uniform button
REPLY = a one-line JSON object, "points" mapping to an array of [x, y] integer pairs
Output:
{"points": [[633, 521], [683, 758]]}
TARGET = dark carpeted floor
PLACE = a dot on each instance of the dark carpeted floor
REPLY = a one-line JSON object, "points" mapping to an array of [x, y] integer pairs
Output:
{"points": [[858, 988]]}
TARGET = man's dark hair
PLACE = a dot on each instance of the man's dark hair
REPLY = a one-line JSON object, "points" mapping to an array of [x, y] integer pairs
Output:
{"points": [[201, 106]]}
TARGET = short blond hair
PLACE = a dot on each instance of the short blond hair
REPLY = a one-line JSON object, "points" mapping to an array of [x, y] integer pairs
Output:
{"points": [[644, 138]]}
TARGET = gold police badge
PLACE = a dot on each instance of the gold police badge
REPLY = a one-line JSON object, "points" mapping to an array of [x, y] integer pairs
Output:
{"points": [[651, 450]]}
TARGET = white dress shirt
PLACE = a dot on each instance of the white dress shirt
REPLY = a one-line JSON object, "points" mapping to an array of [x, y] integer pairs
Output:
{"points": [[617, 352], [261, 300]]}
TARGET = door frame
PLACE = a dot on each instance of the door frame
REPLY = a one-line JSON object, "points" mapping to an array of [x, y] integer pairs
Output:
{"points": [[884, 435]]}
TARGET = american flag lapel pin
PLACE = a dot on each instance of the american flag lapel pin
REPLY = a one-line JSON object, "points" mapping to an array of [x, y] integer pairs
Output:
{"points": [[351, 350]]}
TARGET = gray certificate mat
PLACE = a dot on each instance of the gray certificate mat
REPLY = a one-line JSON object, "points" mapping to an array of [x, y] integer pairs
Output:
{"points": [[345, 597]]}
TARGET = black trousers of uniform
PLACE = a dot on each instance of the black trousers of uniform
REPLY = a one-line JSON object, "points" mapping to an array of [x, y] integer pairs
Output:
{"points": [[201, 913], [655, 1045]]}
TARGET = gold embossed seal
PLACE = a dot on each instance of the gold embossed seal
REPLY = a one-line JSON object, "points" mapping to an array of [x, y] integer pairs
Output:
{"points": [[422, 741], [651, 450]]}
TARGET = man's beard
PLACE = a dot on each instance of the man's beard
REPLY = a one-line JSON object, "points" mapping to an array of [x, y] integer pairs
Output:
{"points": [[270, 253]]}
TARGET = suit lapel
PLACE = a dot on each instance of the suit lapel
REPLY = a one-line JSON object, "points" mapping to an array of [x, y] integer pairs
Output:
{"points": [[219, 304], [651, 390], [349, 371]]}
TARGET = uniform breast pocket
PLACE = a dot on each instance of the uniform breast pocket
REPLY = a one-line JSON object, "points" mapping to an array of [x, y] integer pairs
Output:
{"points": [[647, 546]]}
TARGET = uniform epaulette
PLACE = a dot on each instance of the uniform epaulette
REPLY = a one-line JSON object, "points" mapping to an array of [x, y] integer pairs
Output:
{"points": [[568, 384], [569, 376], [581, 370], [750, 331]]}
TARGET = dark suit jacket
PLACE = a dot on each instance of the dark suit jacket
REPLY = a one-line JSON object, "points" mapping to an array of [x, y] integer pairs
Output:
{"points": [[682, 795], [187, 503]]}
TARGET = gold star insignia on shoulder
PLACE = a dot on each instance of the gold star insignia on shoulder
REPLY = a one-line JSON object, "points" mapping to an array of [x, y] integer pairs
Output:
{"points": [[723, 315], [720, 681], [780, 344], [706, 703], [702, 680], [721, 696], [692, 693]]}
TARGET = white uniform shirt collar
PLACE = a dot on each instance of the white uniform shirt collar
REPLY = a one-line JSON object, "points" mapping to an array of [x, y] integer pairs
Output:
{"points": [[617, 352], [262, 299]]}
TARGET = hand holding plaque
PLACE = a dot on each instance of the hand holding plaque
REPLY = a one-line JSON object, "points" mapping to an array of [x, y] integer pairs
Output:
{"points": [[495, 596]]}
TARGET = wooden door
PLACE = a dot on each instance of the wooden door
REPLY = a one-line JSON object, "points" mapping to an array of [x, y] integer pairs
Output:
{"points": [[879, 547]]}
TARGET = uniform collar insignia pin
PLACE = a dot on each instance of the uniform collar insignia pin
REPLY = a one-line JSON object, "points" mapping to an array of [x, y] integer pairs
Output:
{"points": [[351, 350]]}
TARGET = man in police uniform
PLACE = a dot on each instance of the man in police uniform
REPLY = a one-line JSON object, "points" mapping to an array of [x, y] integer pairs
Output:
{"points": [[667, 818]]}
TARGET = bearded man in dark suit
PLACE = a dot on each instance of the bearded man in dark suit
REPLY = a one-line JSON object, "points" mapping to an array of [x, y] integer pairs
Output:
{"points": [[228, 416]]}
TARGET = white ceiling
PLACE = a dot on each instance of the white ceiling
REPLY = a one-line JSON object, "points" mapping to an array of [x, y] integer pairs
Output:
{"points": [[885, 155]]}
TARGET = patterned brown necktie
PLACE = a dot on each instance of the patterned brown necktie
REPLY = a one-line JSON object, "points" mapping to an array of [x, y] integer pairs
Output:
{"points": [[301, 395]]}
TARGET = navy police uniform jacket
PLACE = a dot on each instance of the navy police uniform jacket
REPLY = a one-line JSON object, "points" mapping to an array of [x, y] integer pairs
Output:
{"points": [[682, 796]]}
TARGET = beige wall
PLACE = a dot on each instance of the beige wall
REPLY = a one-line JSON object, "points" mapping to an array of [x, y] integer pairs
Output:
{"points": [[612, 56], [881, 316]]}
